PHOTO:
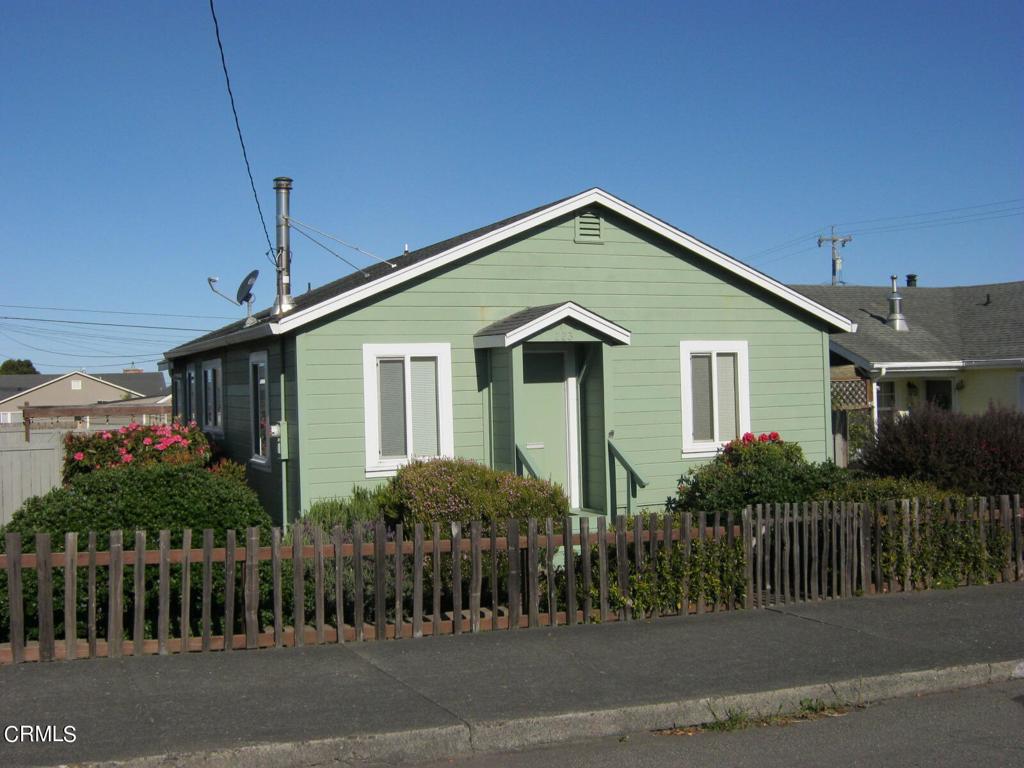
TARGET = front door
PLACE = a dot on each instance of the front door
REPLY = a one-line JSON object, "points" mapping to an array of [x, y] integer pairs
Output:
{"points": [[549, 417]]}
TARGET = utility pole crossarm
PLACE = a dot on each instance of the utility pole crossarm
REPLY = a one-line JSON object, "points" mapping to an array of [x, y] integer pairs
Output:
{"points": [[837, 241]]}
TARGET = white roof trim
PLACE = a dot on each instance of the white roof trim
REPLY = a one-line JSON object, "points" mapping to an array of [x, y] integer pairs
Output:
{"points": [[64, 376], [568, 311], [590, 197]]}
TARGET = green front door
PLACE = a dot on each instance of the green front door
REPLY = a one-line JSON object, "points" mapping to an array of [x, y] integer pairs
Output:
{"points": [[545, 423]]}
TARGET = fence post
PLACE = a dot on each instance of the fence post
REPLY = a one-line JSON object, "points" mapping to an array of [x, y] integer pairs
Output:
{"points": [[456, 578], [207, 618], [139, 593], [164, 600], [1004, 520], [44, 596], [748, 566], [417, 581], [1018, 536], [358, 590], [115, 595], [585, 568], [475, 579], [299, 583], [436, 567], [514, 588], [252, 590], [71, 595], [570, 571], [15, 599], [186, 586], [399, 579], [602, 568], [90, 621], [622, 566], [531, 568], [275, 580]]}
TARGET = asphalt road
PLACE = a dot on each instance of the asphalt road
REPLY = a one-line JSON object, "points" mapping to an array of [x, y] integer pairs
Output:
{"points": [[971, 727]]}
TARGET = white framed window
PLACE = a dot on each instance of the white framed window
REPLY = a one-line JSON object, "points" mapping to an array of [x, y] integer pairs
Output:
{"points": [[259, 408], [76, 384], [177, 396], [407, 402], [886, 402], [213, 402], [715, 394]]}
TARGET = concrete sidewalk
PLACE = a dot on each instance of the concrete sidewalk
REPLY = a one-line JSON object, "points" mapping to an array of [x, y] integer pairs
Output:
{"points": [[432, 698]]}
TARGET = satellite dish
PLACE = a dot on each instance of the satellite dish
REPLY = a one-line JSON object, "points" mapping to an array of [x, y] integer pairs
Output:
{"points": [[244, 292]]}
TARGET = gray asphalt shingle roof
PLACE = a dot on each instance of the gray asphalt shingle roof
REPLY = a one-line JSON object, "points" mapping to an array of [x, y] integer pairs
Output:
{"points": [[148, 384], [971, 322]]}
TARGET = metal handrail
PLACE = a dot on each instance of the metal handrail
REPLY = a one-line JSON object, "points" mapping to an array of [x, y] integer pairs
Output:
{"points": [[633, 476], [523, 462]]}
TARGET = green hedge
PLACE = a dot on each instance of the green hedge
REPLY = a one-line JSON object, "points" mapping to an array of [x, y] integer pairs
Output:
{"points": [[148, 498]]}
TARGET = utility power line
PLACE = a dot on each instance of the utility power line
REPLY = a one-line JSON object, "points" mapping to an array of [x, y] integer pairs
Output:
{"points": [[238, 128], [112, 325], [330, 250], [293, 221], [115, 312], [69, 354], [933, 213]]}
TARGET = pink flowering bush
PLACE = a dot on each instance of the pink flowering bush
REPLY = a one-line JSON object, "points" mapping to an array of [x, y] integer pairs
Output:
{"points": [[135, 445]]}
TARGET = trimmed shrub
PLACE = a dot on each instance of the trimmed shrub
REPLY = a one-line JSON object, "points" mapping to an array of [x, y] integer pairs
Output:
{"points": [[756, 470], [975, 455], [134, 445], [147, 498], [878, 490], [451, 490]]}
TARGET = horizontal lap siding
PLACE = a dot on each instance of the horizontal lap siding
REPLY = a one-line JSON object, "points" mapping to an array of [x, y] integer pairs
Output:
{"points": [[658, 292]]}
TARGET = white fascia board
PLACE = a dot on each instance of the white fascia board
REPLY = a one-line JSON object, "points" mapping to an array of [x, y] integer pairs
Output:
{"points": [[243, 334], [945, 365], [590, 197], [568, 311]]}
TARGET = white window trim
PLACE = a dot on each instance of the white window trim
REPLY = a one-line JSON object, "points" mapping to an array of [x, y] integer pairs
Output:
{"points": [[213, 365], [261, 462], [375, 465], [707, 448]]}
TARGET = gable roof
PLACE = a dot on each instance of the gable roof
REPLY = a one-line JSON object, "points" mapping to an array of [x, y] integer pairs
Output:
{"points": [[530, 321], [948, 327], [137, 384], [372, 280]]}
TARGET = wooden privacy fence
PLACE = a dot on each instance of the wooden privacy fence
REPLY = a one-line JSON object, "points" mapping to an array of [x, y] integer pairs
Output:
{"points": [[372, 582]]}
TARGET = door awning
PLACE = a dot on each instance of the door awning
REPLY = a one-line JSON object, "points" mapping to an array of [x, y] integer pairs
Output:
{"points": [[525, 323]]}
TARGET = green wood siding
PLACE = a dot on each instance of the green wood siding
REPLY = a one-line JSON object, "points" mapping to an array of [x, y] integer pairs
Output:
{"points": [[660, 292]]}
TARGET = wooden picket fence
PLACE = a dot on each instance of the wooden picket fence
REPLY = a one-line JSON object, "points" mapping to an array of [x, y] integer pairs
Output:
{"points": [[791, 553]]}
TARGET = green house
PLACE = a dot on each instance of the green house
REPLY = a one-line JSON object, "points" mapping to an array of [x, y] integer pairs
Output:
{"points": [[584, 341]]}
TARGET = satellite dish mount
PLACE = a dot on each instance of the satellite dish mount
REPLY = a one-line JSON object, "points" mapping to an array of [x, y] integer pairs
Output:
{"points": [[243, 294]]}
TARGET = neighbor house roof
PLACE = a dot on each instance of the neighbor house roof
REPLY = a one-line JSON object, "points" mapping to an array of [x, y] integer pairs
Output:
{"points": [[138, 384], [951, 327], [366, 283]]}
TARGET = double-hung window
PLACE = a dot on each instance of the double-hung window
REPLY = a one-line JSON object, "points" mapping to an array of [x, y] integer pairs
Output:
{"points": [[886, 401], [715, 394], [213, 405], [190, 393], [177, 396], [407, 399], [259, 408]]}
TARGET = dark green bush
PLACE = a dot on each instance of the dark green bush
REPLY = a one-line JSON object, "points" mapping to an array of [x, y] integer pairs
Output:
{"points": [[974, 455], [756, 470], [148, 498], [878, 490]]}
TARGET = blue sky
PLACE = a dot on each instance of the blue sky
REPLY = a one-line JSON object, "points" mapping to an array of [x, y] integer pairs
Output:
{"points": [[746, 124]]}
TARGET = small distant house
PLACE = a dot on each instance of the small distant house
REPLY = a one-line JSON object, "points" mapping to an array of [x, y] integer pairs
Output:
{"points": [[75, 388], [585, 341], [960, 348]]}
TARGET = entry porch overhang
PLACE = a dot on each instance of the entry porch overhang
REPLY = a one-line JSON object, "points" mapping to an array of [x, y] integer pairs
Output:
{"points": [[527, 323]]}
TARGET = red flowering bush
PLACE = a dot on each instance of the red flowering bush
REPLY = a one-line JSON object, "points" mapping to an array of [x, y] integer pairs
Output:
{"points": [[756, 469], [134, 445]]}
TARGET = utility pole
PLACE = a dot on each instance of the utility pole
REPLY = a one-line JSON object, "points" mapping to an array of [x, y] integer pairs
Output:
{"points": [[837, 260]]}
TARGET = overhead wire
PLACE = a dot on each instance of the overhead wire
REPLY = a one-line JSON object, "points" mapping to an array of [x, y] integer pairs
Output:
{"points": [[112, 325], [330, 251], [238, 128], [329, 236], [932, 213], [114, 312]]}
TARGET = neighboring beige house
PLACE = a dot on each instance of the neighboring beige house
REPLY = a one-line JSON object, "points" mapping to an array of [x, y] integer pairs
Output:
{"points": [[75, 388], [961, 348]]}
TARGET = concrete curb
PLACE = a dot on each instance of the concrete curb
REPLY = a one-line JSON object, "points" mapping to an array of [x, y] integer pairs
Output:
{"points": [[496, 736]]}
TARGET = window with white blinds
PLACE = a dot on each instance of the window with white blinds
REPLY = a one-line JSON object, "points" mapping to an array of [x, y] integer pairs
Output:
{"points": [[213, 405], [715, 394], [407, 398]]}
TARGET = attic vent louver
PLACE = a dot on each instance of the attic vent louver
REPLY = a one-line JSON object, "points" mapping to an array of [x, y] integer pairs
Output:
{"points": [[588, 228]]}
